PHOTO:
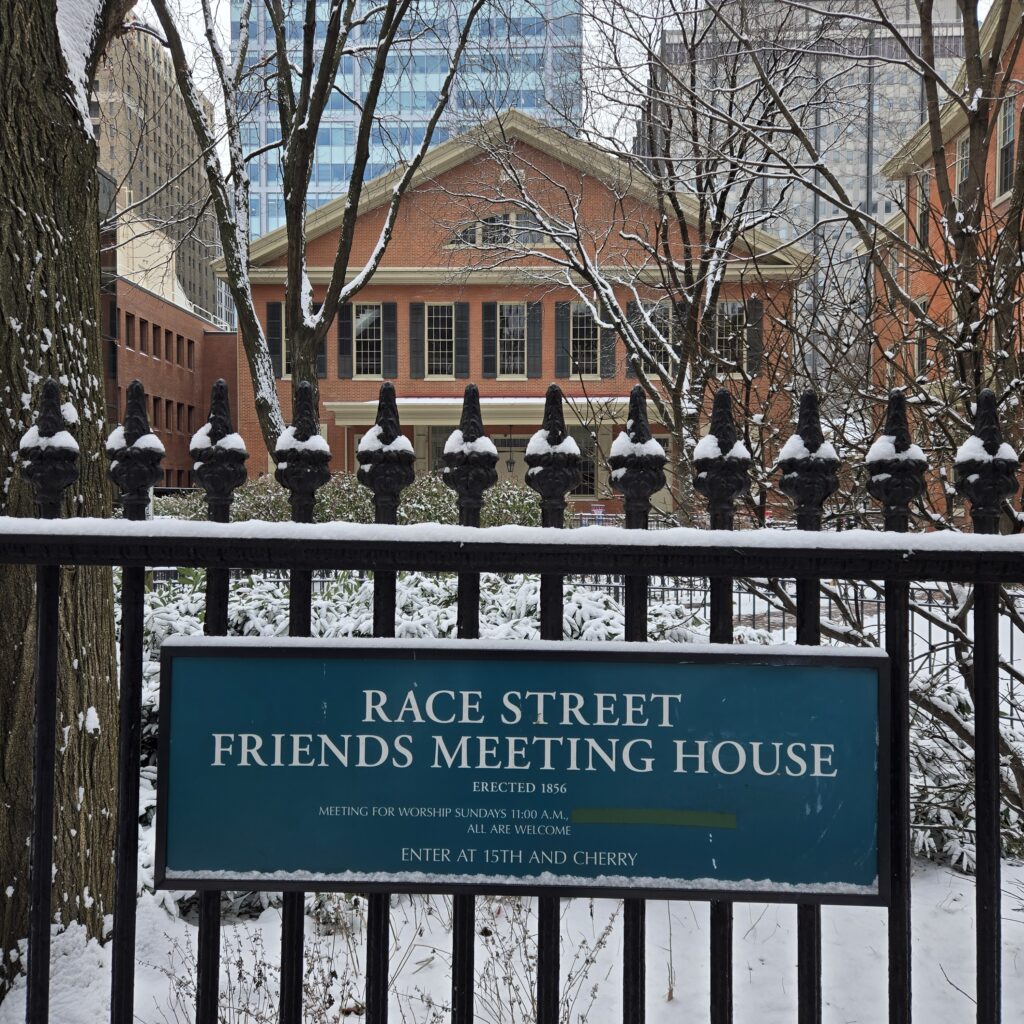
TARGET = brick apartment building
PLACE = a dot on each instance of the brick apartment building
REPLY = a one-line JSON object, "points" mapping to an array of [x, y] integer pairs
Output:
{"points": [[443, 308]]}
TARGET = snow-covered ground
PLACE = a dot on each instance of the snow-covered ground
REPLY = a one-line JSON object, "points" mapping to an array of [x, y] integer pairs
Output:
{"points": [[854, 956]]}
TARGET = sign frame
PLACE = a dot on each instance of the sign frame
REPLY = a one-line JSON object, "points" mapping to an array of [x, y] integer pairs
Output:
{"points": [[625, 654]]}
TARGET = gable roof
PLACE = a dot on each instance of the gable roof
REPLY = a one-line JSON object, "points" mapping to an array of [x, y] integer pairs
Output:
{"points": [[514, 125]]}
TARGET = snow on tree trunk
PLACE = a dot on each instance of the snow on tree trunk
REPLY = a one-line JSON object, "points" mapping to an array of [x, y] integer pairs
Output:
{"points": [[49, 326]]}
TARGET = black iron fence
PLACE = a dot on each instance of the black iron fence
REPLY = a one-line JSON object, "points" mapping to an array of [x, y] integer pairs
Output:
{"points": [[809, 468]]}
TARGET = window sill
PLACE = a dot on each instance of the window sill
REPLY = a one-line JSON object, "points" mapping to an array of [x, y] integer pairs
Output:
{"points": [[1003, 197], [511, 376], [439, 376], [365, 376]]}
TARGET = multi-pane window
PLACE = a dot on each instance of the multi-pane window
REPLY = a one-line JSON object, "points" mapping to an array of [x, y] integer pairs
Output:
{"points": [[511, 339], [366, 339], [440, 340], [730, 333], [584, 347], [656, 337], [963, 164], [1007, 132], [191, 354], [496, 230], [921, 339], [129, 330], [501, 229], [144, 336]]}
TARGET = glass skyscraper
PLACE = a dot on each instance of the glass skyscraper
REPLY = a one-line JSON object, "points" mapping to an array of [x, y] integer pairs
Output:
{"points": [[522, 53]]}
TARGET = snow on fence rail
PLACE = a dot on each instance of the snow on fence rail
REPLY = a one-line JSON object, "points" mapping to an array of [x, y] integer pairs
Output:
{"points": [[985, 474]]}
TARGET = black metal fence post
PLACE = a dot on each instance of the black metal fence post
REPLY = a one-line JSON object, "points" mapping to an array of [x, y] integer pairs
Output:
{"points": [[386, 458], [554, 470], [896, 478], [809, 466], [218, 456], [302, 457], [637, 464], [135, 466], [469, 469], [722, 465], [49, 461], [986, 474]]}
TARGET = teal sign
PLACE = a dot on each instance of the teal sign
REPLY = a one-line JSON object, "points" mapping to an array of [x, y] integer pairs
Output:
{"points": [[583, 768]]}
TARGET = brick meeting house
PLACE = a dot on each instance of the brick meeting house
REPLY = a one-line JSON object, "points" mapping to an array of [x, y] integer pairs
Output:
{"points": [[465, 293]]}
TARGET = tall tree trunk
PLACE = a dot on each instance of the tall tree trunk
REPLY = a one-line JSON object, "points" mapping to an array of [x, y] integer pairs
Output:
{"points": [[49, 326]]}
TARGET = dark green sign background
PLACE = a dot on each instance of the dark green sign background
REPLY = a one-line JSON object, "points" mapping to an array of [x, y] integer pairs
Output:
{"points": [[598, 768]]}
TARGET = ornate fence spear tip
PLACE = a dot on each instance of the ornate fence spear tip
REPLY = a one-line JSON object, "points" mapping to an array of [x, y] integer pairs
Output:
{"points": [[218, 453], [302, 455], [895, 464], [385, 455], [553, 457], [636, 459], [808, 463], [469, 454], [721, 461], [985, 471], [135, 454], [48, 453]]}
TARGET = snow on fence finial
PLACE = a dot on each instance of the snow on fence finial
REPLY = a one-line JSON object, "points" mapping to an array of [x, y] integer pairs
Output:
{"points": [[721, 463], [48, 453], [135, 454], [636, 460], [218, 455], [386, 457], [470, 459], [896, 465], [809, 464], [302, 455], [985, 471], [553, 458]]}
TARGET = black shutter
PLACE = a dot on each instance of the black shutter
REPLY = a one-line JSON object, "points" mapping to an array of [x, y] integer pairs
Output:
{"points": [[389, 340], [608, 335], [345, 346], [416, 340], [274, 335], [633, 316], [321, 358], [534, 340], [755, 335], [490, 340], [461, 340], [561, 339]]}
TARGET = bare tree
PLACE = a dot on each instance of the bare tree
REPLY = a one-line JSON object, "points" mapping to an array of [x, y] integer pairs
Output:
{"points": [[377, 35]]}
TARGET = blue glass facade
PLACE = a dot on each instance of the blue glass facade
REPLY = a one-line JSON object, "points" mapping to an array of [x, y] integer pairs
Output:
{"points": [[523, 54]]}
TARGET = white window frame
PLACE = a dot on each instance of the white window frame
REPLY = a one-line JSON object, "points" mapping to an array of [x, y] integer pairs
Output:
{"points": [[500, 342], [450, 306], [656, 311], [924, 190], [472, 233], [1007, 137], [727, 308], [921, 338], [574, 363], [963, 164], [356, 306]]}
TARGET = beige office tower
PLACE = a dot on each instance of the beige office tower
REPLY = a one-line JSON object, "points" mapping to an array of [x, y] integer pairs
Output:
{"points": [[846, 79], [147, 145]]}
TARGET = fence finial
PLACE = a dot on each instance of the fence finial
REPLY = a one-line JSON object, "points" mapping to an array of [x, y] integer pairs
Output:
{"points": [[809, 465], [386, 457], [302, 455], [553, 461], [896, 466], [135, 454], [48, 453], [218, 455], [637, 462], [722, 464], [470, 459], [985, 471]]}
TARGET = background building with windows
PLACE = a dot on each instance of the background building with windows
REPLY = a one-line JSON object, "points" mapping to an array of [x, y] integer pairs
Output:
{"points": [[145, 143], [437, 314], [523, 53]]}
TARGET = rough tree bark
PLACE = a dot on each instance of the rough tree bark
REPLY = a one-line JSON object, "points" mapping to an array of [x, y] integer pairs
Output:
{"points": [[49, 326]]}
